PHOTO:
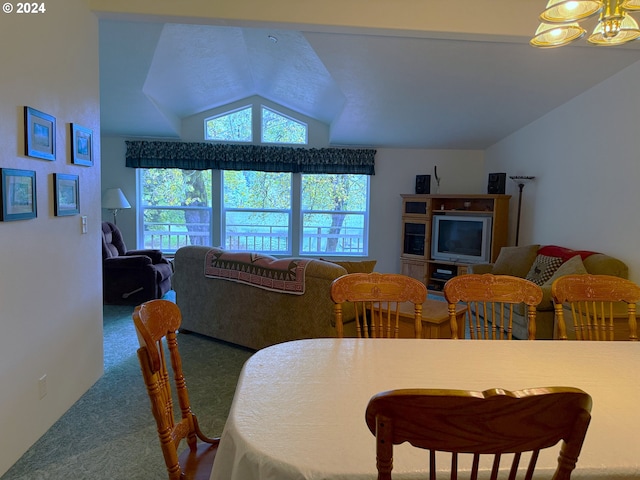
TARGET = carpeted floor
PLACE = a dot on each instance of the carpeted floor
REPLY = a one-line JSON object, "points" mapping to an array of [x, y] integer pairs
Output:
{"points": [[109, 433]]}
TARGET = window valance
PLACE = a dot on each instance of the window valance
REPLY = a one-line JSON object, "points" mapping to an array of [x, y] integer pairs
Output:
{"points": [[206, 156]]}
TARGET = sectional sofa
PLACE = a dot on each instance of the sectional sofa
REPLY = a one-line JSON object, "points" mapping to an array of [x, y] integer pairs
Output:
{"points": [[542, 265]]}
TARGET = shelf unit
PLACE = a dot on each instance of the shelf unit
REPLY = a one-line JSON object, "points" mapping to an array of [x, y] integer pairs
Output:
{"points": [[418, 211]]}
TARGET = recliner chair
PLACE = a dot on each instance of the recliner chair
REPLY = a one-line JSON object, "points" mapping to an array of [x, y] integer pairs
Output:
{"points": [[131, 277]]}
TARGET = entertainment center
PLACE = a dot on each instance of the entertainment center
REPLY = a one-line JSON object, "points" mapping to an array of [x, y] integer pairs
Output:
{"points": [[443, 234]]}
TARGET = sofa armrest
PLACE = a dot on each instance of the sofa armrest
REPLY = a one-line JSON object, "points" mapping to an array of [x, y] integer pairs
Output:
{"points": [[480, 268], [128, 261], [601, 264], [326, 270], [156, 256]]}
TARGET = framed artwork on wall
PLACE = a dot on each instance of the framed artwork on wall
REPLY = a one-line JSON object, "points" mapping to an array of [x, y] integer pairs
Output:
{"points": [[39, 134], [18, 194], [66, 194], [81, 145]]}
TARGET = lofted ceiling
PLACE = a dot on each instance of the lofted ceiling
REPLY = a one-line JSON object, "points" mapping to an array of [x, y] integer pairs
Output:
{"points": [[381, 90]]}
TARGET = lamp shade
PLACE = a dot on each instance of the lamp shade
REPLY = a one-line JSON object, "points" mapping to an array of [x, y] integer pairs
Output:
{"points": [[631, 4], [548, 36], [113, 198], [562, 11]]}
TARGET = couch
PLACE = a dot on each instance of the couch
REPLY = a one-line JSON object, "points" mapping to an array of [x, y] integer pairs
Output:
{"points": [[542, 265], [249, 315]]}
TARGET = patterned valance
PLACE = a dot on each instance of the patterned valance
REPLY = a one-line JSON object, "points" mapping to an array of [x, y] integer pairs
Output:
{"points": [[216, 156]]}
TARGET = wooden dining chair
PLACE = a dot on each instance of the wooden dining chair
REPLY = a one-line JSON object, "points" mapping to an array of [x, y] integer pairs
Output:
{"points": [[593, 301], [156, 323], [490, 301], [376, 298], [471, 426]]}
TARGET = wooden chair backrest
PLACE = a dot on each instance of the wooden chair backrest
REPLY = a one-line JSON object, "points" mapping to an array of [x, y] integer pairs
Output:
{"points": [[156, 323], [490, 301], [591, 300], [377, 298], [494, 423]]}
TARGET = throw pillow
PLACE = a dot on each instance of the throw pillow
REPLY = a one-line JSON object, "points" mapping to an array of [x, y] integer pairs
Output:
{"points": [[364, 266], [543, 269], [515, 261], [573, 266]]}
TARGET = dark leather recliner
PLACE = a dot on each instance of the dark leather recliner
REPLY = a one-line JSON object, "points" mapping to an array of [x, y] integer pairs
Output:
{"points": [[131, 276]]}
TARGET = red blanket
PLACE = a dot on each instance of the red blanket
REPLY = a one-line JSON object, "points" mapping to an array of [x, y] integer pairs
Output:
{"points": [[284, 275]]}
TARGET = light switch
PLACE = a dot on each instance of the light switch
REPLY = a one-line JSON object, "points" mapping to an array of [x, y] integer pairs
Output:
{"points": [[83, 220]]}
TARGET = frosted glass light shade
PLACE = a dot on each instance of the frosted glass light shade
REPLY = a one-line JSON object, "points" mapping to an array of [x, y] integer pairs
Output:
{"points": [[605, 33], [549, 36], [631, 4], [563, 11]]}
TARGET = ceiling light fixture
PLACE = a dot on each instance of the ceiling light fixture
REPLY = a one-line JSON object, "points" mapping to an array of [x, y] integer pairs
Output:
{"points": [[559, 22]]}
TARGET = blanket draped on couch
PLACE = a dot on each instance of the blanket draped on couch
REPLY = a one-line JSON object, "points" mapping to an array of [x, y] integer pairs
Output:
{"points": [[285, 275]]}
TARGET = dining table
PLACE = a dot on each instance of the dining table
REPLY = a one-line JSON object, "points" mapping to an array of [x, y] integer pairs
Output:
{"points": [[299, 407]]}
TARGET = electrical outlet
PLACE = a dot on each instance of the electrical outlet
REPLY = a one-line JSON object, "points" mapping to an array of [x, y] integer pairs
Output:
{"points": [[42, 386], [83, 223]]}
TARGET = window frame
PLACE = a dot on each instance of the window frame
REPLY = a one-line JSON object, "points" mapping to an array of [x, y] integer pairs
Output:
{"points": [[141, 207], [289, 117], [365, 226], [289, 212], [250, 107], [295, 232]]}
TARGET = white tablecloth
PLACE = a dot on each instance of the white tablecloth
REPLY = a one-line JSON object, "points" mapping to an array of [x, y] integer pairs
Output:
{"points": [[298, 411]]}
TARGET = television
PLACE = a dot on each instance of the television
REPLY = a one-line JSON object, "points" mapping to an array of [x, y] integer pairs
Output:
{"points": [[460, 238]]}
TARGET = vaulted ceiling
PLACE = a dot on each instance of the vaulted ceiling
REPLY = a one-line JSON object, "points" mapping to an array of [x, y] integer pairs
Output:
{"points": [[384, 90]]}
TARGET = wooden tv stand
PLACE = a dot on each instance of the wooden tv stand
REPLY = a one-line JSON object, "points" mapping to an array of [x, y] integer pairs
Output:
{"points": [[418, 211]]}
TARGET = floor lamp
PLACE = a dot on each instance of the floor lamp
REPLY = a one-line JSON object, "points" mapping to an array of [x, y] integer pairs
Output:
{"points": [[114, 200], [521, 182]]}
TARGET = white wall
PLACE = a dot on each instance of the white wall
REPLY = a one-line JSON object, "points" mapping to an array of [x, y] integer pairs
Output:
{"points": [[116, 175], [50, 274], [585, 156], [461, 171]]}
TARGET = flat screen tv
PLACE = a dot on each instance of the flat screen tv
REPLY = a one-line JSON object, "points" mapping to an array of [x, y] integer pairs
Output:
{"points": [[460, 238]]}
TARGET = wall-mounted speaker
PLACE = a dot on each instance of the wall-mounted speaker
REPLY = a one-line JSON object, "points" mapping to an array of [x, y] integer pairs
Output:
{"points": [[423, 183], [497, 183]]}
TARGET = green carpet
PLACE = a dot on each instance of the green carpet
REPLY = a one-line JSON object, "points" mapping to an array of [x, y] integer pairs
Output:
{"points": [[109, 433]]}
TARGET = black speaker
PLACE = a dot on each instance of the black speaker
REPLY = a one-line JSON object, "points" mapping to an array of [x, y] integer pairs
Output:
{"points": [[497, 183], [423, 183]]}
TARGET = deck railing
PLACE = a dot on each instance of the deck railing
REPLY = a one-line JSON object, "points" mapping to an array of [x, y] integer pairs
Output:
{"points": [[170, 236]]}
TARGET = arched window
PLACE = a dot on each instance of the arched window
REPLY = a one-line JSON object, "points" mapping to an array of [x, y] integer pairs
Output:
{"points": [[256, 209], [235, 126]]}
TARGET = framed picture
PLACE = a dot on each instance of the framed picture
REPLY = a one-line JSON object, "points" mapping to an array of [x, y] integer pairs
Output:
{"points": [[66, 194], [39, 134], [81, 145], [18, 194]]}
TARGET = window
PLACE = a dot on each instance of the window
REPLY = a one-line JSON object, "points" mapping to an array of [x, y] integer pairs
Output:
{"points": [[175, 208], [334, 214], [269, 212], [257, 211], [278, 128], [232, 126]]}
